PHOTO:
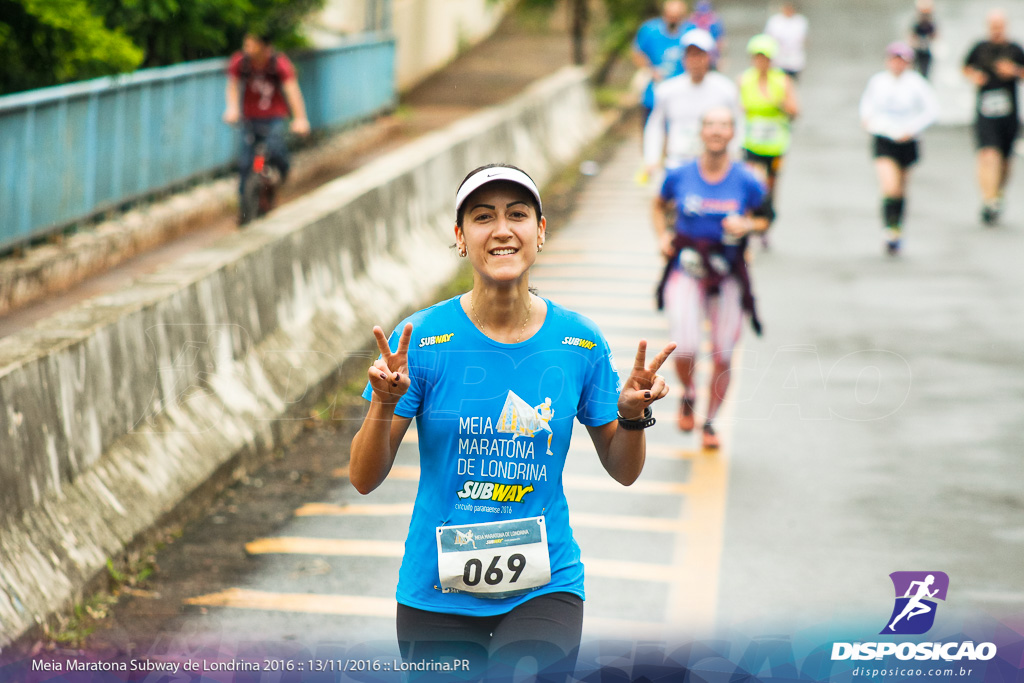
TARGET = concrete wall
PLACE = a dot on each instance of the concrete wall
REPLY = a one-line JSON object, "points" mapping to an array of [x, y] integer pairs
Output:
{"points": [[428, 33], [112, 412]]}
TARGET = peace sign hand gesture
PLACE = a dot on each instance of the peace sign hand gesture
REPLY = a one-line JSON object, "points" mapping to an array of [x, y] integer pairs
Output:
{"points": [[643, 386], [389, 374]]}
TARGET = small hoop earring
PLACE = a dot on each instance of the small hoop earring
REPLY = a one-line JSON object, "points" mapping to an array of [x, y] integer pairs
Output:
{"points": [[463, 252], [540, 247]]}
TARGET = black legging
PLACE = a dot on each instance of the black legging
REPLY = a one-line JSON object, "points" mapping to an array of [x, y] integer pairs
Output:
{"points": [[545, 630]]}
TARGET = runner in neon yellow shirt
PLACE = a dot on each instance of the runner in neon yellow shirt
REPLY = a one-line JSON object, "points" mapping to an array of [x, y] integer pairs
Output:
{"points": [[769, 102]]}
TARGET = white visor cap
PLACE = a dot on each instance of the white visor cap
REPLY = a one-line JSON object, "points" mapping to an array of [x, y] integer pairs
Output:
{"points": [[699, 38], [493, 174]]}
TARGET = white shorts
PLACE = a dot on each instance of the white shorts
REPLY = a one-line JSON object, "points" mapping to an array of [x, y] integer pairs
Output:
{"points": [[687, 304]]}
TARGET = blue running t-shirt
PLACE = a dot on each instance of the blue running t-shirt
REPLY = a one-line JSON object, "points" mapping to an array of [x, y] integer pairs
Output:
{"points": [[701, 206], [663, 48], [494, 422]]}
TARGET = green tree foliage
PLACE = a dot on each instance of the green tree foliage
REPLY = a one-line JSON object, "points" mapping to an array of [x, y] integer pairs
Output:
{"points": [[46, 42], [172, 31], [622, 18]]}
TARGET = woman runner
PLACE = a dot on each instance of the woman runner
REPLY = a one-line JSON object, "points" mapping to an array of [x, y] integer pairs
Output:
{"points": [[896, 107], [769, 103], [491, 572], [706, 272]]}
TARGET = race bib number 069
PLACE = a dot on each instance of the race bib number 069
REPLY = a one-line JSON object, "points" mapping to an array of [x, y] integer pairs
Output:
{"points": [[494, 559]]}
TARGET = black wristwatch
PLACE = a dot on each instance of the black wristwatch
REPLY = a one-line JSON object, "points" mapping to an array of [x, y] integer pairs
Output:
{"points": [[635, 425]]}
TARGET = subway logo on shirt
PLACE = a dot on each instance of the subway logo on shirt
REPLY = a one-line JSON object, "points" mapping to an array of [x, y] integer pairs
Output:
{"points": [[576, 341], [436, 339], [492, 490]]}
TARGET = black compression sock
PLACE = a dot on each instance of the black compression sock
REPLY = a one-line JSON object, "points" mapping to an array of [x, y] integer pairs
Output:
{"points": [[891, 211]]}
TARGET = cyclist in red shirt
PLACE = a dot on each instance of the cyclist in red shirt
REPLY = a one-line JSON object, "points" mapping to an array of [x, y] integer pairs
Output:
{"points": [[261, 93]]}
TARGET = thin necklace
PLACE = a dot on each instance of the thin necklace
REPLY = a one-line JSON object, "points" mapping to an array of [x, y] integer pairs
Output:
{"points": [[529, 307]]}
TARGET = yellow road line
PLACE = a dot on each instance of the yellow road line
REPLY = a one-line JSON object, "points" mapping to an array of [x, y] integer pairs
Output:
{"points": [[624, 346], [636, 571], [639, 302], [694, 597], [330, 510], [566, 257], [626, 522], [667, 452], [580, 482], [555, 288], [634, 274], [344, 605], [660, 451], [597, 278], [644, 324], [403, 472], [290, 545], [565, 243], [604, 483], [581, 519]]}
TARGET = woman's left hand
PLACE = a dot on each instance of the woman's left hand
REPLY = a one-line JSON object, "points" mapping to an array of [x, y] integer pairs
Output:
{"points": [[644, 385]]}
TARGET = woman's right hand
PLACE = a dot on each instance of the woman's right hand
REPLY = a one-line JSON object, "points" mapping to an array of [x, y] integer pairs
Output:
{"points": [[736, 225], [389, 374], [665, 245]]}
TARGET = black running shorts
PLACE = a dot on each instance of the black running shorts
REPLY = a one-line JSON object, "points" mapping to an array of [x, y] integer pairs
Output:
{"points": [[771, 165], [999, 133], [546, 628], [903, 153]]}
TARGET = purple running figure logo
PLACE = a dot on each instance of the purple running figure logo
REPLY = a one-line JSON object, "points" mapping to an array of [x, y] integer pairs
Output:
{"points": [[916, 593]]}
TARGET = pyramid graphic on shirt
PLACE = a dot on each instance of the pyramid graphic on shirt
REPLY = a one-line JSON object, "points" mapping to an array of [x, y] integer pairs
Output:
{"points": [[519, 418]]}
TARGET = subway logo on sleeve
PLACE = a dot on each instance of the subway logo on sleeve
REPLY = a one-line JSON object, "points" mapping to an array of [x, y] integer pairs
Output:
{"points": [[436, 339], [576, 341]]}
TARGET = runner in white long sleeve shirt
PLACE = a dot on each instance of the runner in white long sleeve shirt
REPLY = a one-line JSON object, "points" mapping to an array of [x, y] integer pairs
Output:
{"points": [[789, 28], [896, 107], [681, 101]]}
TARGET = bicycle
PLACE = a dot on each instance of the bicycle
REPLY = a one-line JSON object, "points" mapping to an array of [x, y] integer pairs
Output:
{"points": [[260, 187]]}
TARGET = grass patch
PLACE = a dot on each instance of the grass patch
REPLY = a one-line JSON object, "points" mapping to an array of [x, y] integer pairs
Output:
{"points": [[403, 112], [534, 16], [73, 628], [610, 97]]}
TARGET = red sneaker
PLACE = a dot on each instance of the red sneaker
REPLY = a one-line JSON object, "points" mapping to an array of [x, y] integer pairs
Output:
{"points": [[686, 414], [710, 439]]}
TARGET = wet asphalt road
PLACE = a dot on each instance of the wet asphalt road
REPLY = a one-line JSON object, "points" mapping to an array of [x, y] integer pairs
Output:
{"points": [[878, 420]]}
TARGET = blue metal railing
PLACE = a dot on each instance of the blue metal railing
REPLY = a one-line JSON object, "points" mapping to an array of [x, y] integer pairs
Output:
{"points": [[72, 151], [378, 15]]}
